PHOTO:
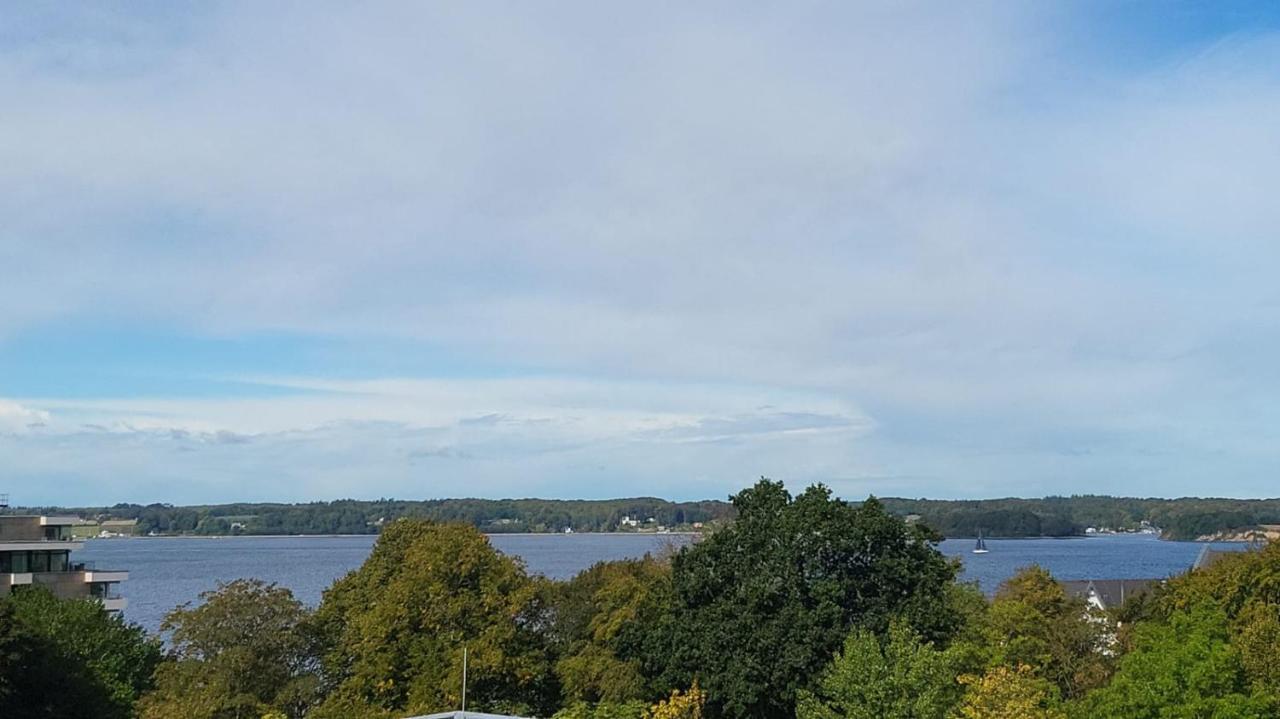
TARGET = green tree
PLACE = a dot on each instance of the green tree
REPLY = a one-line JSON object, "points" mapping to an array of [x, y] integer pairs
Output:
{"points": [[395, 628], [760, 607], [1257, 636], [1184, 668], [243, 652], [604, 710], [598, 616], [34, 682], [69, 658], [895, 677], [1033, 623]]}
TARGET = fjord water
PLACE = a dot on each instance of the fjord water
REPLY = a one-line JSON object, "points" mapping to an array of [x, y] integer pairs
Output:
{"points": [[167, 571]]}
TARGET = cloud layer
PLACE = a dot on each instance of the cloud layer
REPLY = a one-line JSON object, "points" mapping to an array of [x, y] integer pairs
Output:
{"points": [[958, 251]]}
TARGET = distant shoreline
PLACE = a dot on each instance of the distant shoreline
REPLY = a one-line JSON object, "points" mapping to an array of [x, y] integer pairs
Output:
{"points": [[1186, 518], [336, 536]]}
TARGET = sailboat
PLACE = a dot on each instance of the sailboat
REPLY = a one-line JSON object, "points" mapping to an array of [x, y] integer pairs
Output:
{"points": [[982, 545]]}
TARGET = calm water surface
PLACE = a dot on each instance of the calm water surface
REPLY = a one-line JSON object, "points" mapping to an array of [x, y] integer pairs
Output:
{"points": [[167, 571]]}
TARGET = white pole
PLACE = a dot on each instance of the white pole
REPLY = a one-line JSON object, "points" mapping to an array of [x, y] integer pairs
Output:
{"points": [[464, 680]]}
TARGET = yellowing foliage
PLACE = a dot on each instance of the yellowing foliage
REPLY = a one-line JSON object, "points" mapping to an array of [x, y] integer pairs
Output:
{"points": [[680, 705], [1005, 693]]}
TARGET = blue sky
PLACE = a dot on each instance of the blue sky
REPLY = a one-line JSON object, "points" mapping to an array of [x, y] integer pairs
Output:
{"points": [[295, 251]]}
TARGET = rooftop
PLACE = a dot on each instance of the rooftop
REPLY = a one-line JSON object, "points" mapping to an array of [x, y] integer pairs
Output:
{"points": [[465, 715], [1108, 593]]}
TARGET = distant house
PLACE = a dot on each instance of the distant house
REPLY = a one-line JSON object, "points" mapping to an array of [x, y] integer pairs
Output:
{"points": [[1107, 594], [119, 527], [627, 521]]}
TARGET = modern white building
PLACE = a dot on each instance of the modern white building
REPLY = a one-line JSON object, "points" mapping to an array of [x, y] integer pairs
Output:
{"points": [[36, 550]]}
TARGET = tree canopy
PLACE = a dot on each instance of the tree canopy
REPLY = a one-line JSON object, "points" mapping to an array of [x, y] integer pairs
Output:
{"points": [[760, 607], [898, 676], [68, 658], [395, 629], [244, 651]]}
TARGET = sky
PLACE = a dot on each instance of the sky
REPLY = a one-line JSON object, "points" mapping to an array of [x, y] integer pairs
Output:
{"points": [[295, 251]]}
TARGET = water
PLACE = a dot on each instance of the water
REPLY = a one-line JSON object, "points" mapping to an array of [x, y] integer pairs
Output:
{"points": [[167, 571]]}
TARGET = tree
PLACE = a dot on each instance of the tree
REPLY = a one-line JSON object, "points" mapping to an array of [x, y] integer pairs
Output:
{"points": [[1033, 623], [760, 607], [598, 615], [1245, 588], [243, 652], [1182, 668], [30, 674], [1257, 636], [604, 710], [895, 677], [70, 657], [1011, 693], [395, 629]]}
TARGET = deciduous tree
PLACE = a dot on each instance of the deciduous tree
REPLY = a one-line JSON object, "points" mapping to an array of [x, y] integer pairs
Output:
{"points": [[1011, 693], [598, 615], [894, 677], [395, 629], [70, 657], [1033, 623], [760, 607], [244, 651], [1182, 668]]}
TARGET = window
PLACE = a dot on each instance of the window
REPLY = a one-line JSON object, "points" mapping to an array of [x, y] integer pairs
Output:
{"points": [[39, 562], [58, 561], [20, 563], [58, 533]]}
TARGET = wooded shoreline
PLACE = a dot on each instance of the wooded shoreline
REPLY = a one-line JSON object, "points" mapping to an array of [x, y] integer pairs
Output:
{"points": [[1187, 518]]}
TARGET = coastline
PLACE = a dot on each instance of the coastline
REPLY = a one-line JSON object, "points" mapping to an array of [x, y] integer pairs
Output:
{"points": [[375, 534]]}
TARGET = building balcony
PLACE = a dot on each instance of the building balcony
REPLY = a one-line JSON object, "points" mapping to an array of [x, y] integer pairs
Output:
{"points": [[59, 521], [14, 579], [105, 575], [39, 545], [114, 604]]}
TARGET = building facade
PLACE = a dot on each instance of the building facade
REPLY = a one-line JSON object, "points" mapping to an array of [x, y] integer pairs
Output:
{"points": [[37, 551]]}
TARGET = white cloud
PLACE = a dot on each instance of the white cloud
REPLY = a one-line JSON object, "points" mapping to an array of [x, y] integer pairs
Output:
{"points": [[15, 418], [957, 229], [409, 437]]}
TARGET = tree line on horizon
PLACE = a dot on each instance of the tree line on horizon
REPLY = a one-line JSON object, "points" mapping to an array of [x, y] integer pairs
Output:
{"points": [[351, 516], [805, 606], [1180, 519]]}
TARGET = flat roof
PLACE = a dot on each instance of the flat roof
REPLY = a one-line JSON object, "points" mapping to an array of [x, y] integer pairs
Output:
{"points": [[45, 521], [59, 521]]}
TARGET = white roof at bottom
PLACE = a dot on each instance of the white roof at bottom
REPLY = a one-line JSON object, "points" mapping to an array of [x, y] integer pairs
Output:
{"points": [[465, 715]]}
